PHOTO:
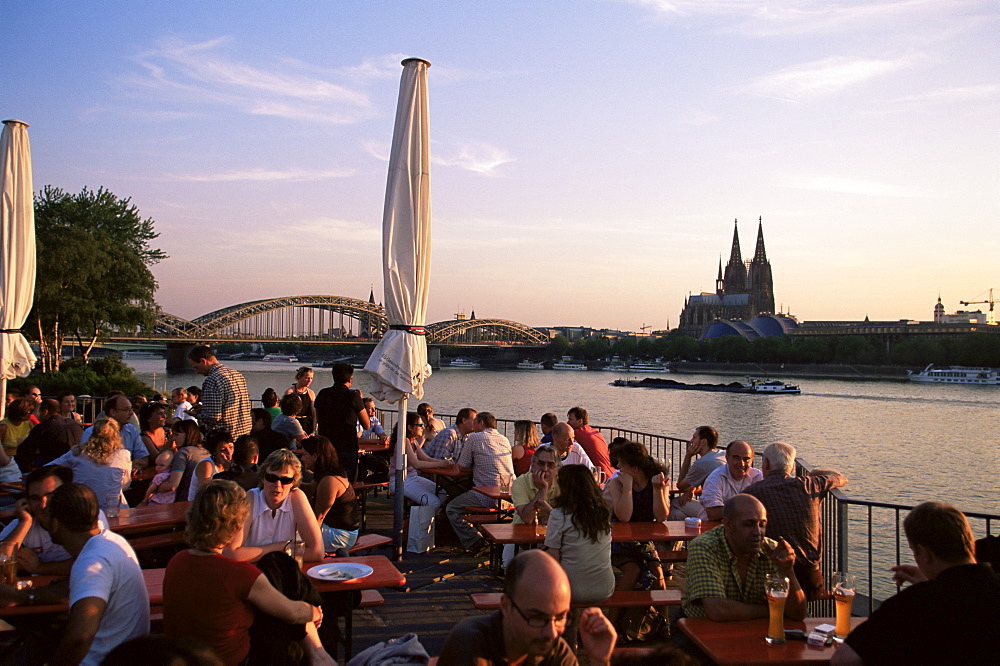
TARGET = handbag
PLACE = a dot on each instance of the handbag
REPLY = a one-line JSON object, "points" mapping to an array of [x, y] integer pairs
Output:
{"points": [[420, 536]]}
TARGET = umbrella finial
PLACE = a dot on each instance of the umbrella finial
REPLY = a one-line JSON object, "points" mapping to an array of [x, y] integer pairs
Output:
{"points": [[14, 121], [417, 60]]}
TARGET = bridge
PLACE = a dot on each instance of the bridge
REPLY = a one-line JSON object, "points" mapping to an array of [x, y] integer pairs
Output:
{"points": [[321, 320]]}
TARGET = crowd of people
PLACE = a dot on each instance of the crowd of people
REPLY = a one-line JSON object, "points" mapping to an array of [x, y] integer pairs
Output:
{"points": [[260, 479]]}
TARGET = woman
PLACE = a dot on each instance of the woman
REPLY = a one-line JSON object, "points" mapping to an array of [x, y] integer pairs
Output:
{"points": [[101, 463], [432, 426], [219, 445], [186, 440], [416, 488], [307, 415], [288, 423], [17, 424], [638, 494], [211, 598], [67, 407], [152, 418], [525, 443], [278, 510], [335, 505]]}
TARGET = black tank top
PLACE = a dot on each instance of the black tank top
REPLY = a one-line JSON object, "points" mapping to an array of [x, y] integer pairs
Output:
{"points": [[345, 514], [305, 416]]}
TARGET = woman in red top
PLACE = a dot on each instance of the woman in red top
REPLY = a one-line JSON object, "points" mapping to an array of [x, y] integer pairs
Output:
{"points": [[525, 443], [211, 598]]}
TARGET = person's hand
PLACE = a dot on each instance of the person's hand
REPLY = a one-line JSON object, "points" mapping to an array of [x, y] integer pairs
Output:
{"points": [[625, 479], [783, 557], [692, 449], [317, 618], [21, 512], [659, 480], [542, 479], [27, 559], [907, 573], [597, 635]]}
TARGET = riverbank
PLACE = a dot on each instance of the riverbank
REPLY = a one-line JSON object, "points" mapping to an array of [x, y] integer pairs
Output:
{"points": [[801, 370]]}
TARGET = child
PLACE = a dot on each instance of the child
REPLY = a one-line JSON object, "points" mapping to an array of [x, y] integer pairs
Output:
{"points": [[162, 474]]}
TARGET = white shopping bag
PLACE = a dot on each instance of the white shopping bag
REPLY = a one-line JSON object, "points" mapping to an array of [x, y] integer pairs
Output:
{"points": [[420, 537]]}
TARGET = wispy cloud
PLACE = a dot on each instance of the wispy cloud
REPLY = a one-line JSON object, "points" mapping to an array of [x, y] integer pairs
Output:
{"points": [[988, 92], [264, 175], [842, 185], [811, 81], [321, 232], [192, 73], [474, 156]]}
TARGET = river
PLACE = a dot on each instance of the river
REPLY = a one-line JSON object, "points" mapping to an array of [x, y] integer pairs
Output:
{"points": [[896, 442]]}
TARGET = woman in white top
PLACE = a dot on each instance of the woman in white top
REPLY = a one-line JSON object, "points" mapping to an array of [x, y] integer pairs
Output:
{"points": [[416, 488], [220, 449], [278, 509], [101, 463]]}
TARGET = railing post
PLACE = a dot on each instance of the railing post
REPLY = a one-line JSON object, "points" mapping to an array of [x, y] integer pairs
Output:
{"points": [[842, 533]]}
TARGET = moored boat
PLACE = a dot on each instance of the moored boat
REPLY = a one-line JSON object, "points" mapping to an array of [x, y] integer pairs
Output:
{"points": [[957, 374], [648, 367], [464, 363], [528, 364], [280, 358], [567, 364]]}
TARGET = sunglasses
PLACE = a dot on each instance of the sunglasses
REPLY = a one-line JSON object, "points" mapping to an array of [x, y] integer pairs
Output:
{"points": [[274, 478]]}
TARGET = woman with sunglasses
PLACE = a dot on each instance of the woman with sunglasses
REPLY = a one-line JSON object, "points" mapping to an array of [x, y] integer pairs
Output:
{"points": [[416, 488], [278, 510]]}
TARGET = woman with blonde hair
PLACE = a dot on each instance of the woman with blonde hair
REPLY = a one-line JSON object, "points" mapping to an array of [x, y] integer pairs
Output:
{"points": [[101, 463], [307, 415], [525, 443]]}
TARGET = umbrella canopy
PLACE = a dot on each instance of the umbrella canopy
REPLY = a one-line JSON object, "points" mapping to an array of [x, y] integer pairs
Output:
{"points": [[17, 250], [399, 363]]}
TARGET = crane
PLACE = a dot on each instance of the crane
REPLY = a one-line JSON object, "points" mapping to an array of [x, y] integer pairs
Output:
{"points": [[989, 318]]}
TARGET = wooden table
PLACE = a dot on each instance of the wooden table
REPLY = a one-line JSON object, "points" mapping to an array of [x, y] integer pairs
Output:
{"points": [[672, 530], [499, 493], [743, 642], [449, 471], [153, 578], [149, 519], [373, 448]]}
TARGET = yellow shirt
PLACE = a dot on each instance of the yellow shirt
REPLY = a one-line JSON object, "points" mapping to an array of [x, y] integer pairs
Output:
{"points": [[15, 435]]}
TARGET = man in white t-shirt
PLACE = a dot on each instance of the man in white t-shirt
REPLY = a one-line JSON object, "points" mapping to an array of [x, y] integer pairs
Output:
{"points": [[108, 600], [729, 480], [38, 554]]}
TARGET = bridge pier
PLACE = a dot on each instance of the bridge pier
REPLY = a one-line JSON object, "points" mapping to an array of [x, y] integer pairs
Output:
{"points": [[177, 358], [434, 357]]}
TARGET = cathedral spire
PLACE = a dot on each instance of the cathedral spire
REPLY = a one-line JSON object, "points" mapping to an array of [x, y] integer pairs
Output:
{"points": [[735, 257], [759, 255]]}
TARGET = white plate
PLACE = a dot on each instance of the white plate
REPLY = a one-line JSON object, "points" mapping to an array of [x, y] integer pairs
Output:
{"points": [[339, 571]]}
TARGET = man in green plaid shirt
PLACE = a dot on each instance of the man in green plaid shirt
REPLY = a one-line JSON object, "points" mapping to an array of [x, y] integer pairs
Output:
{"points": [[727, 566]]}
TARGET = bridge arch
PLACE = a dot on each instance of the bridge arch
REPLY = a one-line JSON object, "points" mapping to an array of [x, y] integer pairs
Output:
{"points": [[484, 331]]}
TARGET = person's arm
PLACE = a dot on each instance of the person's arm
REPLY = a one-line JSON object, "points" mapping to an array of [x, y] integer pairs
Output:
{"points": [[712, 494], [312, 408], [204, 471], [266, 598], [689, 454], [784, 560], [329, 489], [621, 497], [307, 526], [28, 560], [838, 480], [359, 407], [517, 451], [661, 497], [24, 522], [150, 446], [84, 620], [721, 609], [171, 483], [420, 460], [597, 635], [907, 573], [235, 550]]}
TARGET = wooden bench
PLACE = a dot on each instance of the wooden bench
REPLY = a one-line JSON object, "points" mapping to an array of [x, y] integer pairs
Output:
{"points": [[672, 556], [157, 541], [620, 599], [480, 518], [369, 542]]}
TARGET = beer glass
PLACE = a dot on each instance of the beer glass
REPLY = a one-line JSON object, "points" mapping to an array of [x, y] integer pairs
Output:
{"points": [[8, 562], [112, 504], [844, 586], [777, 592]]}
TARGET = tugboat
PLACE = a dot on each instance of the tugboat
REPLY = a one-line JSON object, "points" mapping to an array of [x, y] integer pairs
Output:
{"points": [[756, 385]]}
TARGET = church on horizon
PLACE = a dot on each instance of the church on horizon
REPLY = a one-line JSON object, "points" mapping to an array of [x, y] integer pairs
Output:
{"points": [[744, 291]]}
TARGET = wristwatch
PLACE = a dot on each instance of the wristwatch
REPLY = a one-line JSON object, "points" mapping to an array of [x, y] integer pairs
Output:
{"points": [[31, 597]]}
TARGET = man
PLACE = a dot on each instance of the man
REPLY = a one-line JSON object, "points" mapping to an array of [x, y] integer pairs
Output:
{"points": [[225, 403], [951, 612], [727, 567], [108, 602], [548, 421], [532, 493], [51, 438], [570, 453], [375, 432], [527, 629], [339, 409], [35, 394], [179, 401], [730, 480], [487, 456], [119, 408], [38, 554], [792, 505], [449, 442], [591, 439], [267, 440], [243, 470], [704, 443]]}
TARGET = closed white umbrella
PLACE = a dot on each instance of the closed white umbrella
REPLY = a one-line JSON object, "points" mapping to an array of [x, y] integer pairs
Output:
{"points": [[17, 252], [399, 363]]}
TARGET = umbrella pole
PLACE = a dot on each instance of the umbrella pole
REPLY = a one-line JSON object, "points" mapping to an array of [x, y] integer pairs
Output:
{"points": [[399, 509], [3, 396]]}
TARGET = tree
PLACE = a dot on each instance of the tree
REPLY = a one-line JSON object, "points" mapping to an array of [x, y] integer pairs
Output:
{"points": [[94, 257]]}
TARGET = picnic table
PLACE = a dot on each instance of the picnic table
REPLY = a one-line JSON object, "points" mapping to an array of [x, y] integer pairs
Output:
{"points": [[150, 519], [671, 530], [742, 642]]}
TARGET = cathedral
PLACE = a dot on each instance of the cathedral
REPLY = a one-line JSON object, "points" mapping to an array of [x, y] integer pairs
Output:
{"points": [[742, 292]]}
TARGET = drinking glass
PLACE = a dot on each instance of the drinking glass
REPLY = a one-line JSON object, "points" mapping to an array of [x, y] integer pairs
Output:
{"points": [[541, 524], [8, 562], [777, 592], [844, 587], [296, 549], [111, 505]]}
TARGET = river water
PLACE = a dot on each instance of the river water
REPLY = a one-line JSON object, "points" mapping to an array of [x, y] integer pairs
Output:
{"points": [[897, 442]]}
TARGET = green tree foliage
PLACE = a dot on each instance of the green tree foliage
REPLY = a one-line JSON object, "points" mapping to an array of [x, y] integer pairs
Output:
{"points": [[94, 257], [97, 378], [559, 346]]}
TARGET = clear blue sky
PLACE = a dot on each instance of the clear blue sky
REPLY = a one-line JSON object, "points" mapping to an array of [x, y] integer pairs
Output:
{"points": [[589, 157]]}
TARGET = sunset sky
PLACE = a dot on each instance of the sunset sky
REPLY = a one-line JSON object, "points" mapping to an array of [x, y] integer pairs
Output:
{"points": [[589, 157]]}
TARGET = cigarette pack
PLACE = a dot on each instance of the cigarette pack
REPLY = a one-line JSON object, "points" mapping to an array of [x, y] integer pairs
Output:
{"points": [[692, 522], [821, 635]]}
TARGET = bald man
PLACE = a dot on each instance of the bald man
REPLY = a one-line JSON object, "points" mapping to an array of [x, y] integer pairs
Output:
{"points": [[570, 453], [729, 480], [529, 625]]}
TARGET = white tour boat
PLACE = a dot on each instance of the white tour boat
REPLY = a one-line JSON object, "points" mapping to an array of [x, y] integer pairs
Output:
{"points": [[957, 374], [465, 363], [648, 367], [567, 364], [528, 364]]}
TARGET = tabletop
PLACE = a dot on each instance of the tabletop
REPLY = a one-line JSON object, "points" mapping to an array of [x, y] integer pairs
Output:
{"points": [[743, 642], [494, 492], [672, 530], [140, 519], [451, 470], [373, 448]]}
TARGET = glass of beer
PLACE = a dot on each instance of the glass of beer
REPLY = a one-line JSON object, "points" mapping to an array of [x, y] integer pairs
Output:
{"points": [[776, 588], [844, 586], [8, 562]]}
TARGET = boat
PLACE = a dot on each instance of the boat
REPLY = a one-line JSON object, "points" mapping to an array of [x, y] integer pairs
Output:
{"points": [[464, 363], [615, 365], [567, 364], [731, 387], [957, 374], [280, 358], [756, 385], [648, 367], [528, 364]]}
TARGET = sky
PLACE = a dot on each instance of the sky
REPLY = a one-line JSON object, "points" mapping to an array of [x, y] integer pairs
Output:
{"points": [[588, 157]]}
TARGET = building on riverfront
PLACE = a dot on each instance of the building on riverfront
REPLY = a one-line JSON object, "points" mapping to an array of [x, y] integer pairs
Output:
{"points": [[744, 291]]}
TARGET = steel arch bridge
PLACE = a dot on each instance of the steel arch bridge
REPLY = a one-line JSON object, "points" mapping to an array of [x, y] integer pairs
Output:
{"points": [[319, 318]]}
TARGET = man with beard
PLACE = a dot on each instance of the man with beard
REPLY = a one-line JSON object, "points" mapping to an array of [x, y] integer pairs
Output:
{"points": [[727, 567], [529, 625]]}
